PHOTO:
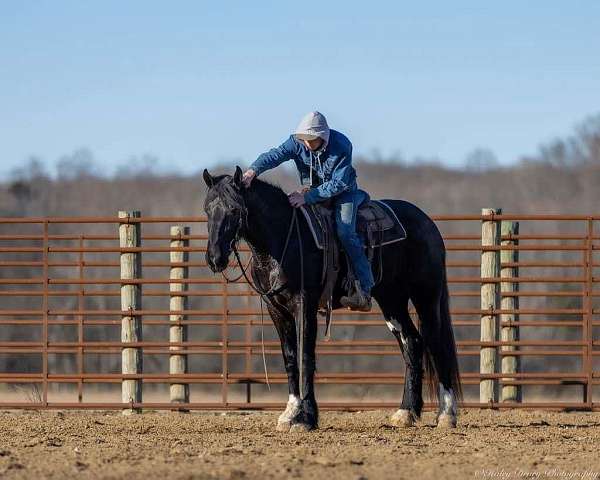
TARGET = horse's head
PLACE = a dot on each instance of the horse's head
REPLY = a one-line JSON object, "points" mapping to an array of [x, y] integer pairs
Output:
{"points": [[226, 211]]}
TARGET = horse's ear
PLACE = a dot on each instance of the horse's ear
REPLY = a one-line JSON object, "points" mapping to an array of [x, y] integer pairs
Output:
{"points": [[207, 178], [237, 177]]}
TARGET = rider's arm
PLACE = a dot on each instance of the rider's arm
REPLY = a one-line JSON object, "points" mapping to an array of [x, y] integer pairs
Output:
{"points": [[341, 179], [274, 157]]}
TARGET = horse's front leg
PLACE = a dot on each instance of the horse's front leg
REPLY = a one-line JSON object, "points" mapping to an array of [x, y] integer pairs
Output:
{"points": [[284, 322], [308, 416]]}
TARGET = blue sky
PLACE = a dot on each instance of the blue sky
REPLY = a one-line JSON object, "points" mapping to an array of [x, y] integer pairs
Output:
{"points": [[195, 82]]}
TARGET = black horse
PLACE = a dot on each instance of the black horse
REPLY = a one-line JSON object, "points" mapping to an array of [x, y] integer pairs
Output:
{"points": [[413, 269]]}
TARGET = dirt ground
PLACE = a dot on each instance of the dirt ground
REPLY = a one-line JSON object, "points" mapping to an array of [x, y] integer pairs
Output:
{"points": [[362, 445]]}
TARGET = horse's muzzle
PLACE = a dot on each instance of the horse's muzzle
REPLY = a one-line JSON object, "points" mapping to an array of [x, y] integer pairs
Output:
{"points": [[216, 262]]}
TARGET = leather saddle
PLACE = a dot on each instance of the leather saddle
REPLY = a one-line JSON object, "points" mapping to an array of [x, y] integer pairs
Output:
{"points": [[376, 224]]}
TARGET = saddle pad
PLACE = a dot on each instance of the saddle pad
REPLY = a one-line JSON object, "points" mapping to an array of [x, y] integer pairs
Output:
{"points": [[373, 215]]}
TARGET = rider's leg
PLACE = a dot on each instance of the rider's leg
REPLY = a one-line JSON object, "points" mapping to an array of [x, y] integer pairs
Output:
{"points": [[345, 217]]}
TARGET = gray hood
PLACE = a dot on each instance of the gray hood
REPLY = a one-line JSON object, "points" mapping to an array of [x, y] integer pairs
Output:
{"points": [[313, 125]]}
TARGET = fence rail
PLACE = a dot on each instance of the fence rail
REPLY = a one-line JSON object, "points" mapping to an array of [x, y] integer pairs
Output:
{"points": [[88, 304]]}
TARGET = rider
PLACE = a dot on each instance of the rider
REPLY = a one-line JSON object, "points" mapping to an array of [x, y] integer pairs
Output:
{"points": [[324, 159]]}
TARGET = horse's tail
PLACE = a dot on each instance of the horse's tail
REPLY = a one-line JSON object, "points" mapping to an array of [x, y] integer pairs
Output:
{"points": [[441, 359]]}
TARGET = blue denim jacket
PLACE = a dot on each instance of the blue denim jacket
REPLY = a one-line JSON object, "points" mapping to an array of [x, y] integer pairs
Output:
{"points": [[332, 167]]}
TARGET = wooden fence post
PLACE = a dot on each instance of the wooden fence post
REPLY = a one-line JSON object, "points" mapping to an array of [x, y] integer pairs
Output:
{"points": [[490, 299], [179, 392], [131, 299], [508, 259]]}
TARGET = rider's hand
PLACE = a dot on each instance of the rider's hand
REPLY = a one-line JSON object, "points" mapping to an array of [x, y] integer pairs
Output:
{"points": [[296, 199], [248, 177]]}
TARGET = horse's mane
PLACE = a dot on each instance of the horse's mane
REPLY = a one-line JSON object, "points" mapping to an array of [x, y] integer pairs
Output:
{"points": [[266, 197], [267, 191], [261, 195]]}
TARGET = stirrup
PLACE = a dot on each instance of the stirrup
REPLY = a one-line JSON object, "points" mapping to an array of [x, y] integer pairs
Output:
{"points": [[358, 301], [358, 305]]}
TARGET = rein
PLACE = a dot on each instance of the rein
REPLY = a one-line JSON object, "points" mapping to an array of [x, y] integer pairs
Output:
{"points": [[229, 280]]}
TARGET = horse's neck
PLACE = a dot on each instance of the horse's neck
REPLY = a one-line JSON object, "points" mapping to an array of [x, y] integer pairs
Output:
{"points": [[267, 226]]}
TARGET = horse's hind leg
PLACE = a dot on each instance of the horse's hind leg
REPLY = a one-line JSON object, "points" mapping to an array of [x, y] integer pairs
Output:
{"points": [[395, 310], [441, 347]]}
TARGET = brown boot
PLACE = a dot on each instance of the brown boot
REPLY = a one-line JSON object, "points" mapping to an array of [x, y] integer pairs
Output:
{"points": [[358, 301]]}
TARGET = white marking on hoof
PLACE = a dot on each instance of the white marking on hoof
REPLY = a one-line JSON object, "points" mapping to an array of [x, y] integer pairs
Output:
{"points": [[283, 426], [447, 401], [302, 427], [403, 418], [448, 411], [291, 410], [446, 421]]}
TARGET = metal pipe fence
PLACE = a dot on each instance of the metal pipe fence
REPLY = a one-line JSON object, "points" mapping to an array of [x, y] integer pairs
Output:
{"points": [[62, 320]]}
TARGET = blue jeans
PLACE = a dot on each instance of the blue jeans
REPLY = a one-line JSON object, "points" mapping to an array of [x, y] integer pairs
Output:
{"points": [[346, 208]]}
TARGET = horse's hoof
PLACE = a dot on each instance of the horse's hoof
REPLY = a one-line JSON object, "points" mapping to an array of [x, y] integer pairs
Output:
{"points": [[446, 421], [403, 418], [283, 426], [302, 427]]}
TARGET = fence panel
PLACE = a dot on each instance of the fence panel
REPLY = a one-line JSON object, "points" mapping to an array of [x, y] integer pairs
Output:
{"points": [[61, 317]]}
